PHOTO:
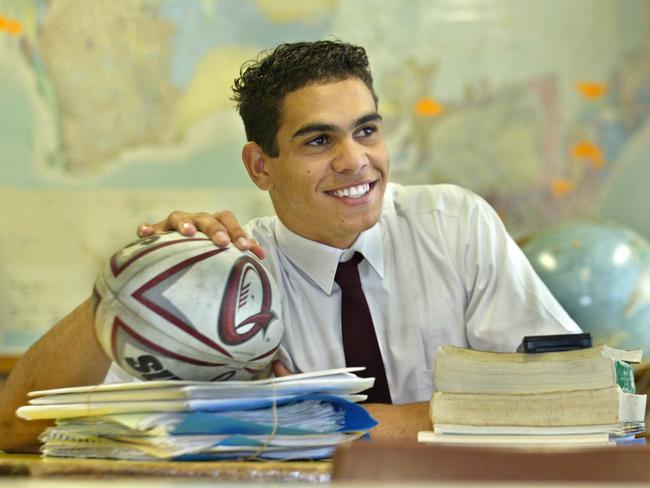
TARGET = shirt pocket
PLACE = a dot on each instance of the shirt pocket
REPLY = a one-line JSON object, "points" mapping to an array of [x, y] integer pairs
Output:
{"points": [[424, 384]]}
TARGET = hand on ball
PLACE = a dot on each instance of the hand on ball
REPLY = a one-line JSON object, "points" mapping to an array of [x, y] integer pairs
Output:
{"points": [[221, 227]]}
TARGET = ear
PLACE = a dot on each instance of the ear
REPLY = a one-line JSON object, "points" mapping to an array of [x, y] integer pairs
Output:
{"points": [[255, 161]]}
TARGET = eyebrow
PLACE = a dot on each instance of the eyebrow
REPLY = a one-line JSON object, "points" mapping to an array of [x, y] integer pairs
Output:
{"points": [[322, 127]]}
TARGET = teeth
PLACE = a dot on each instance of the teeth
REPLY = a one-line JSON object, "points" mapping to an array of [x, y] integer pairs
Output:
{"points": [[352, 191]]}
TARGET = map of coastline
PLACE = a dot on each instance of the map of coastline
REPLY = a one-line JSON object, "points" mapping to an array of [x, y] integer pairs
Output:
{"points": [[113, 113]]}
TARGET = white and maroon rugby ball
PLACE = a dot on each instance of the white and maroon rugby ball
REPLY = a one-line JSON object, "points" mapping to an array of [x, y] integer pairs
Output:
{"points": [[175, 307]]}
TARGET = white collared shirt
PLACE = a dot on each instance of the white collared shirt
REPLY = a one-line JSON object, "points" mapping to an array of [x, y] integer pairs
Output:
{"points": [[439, 268]]}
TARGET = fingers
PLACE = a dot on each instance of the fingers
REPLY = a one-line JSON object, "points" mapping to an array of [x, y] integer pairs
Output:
{"points": [[234, 231], [222, 228], [213, 228], [258, 250], [280, 369], [145, 230], [181, 222]]}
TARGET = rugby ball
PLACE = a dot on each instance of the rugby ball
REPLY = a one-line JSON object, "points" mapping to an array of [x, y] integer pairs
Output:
{"points": [[176, 307]]}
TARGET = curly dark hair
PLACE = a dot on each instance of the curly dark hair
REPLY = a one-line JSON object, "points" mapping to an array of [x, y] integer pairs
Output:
{"points": [[263, 83]]}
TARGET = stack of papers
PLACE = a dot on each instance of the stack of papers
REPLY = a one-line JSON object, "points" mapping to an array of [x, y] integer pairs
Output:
{"points": [[303, 416]]}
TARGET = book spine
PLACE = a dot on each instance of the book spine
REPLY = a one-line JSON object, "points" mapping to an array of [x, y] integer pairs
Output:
{"points": [[624, 375]]}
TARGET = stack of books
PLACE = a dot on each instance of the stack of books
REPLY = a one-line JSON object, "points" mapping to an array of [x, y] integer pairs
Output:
{"points": [[303, 416], [571, 398]]}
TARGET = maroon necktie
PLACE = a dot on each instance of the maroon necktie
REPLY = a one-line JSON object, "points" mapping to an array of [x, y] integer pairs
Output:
{"points": [[359, 340]]}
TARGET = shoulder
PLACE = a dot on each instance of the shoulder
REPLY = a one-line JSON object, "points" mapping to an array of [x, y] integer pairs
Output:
{"points": [[445, 200], [262, 229]]}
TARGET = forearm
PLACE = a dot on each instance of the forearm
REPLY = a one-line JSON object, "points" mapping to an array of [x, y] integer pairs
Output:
{"points": [[399, 421], [68, 355]]}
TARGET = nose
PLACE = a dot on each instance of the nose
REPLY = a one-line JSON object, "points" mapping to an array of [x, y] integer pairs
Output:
{"points": [[351, 156]]}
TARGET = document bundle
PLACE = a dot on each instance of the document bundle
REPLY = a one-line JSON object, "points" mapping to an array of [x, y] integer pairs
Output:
{"points": [[571, 398], [302, 416]]}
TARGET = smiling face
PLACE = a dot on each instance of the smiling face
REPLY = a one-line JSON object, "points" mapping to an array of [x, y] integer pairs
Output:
{"points": [[328, 181]]}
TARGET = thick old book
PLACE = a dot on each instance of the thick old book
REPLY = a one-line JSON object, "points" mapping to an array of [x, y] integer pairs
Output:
{"points": [[514, 440], [621, 429], [461, 370], [568, 408]]}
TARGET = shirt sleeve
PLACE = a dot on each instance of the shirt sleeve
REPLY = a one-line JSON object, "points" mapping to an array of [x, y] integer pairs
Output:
{"points": [[506, 300]]}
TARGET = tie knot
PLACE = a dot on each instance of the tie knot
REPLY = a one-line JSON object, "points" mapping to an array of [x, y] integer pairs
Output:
{"points": [[347, 273]]}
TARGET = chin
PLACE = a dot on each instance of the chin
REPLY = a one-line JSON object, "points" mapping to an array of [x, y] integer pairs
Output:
{"points": [[367, 222]]}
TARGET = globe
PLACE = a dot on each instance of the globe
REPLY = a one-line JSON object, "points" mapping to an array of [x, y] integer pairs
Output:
{"points": [[600, 273]]}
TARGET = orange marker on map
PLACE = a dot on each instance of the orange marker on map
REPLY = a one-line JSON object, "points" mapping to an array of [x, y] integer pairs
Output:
{"points": [[561, 186], [590, 152], [591, 90], [11, 26], [428, 107]]}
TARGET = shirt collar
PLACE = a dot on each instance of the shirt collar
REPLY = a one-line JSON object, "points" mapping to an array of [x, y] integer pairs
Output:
{"points": [[319, 261]]}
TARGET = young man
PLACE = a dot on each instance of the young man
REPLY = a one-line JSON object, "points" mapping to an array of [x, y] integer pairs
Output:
{"points": [[436, 264]]}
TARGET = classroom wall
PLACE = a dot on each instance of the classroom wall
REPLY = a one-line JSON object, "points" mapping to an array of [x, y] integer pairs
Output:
{"points": [[117, 112]]}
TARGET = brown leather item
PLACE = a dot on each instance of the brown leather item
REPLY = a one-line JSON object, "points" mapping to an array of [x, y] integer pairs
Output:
{"points": [[359, 339], [410, 461]]}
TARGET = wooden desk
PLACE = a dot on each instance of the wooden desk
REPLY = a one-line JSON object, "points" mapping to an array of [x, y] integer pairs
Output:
{"points": [[410, 462], [391, 463], [37, 467]]}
